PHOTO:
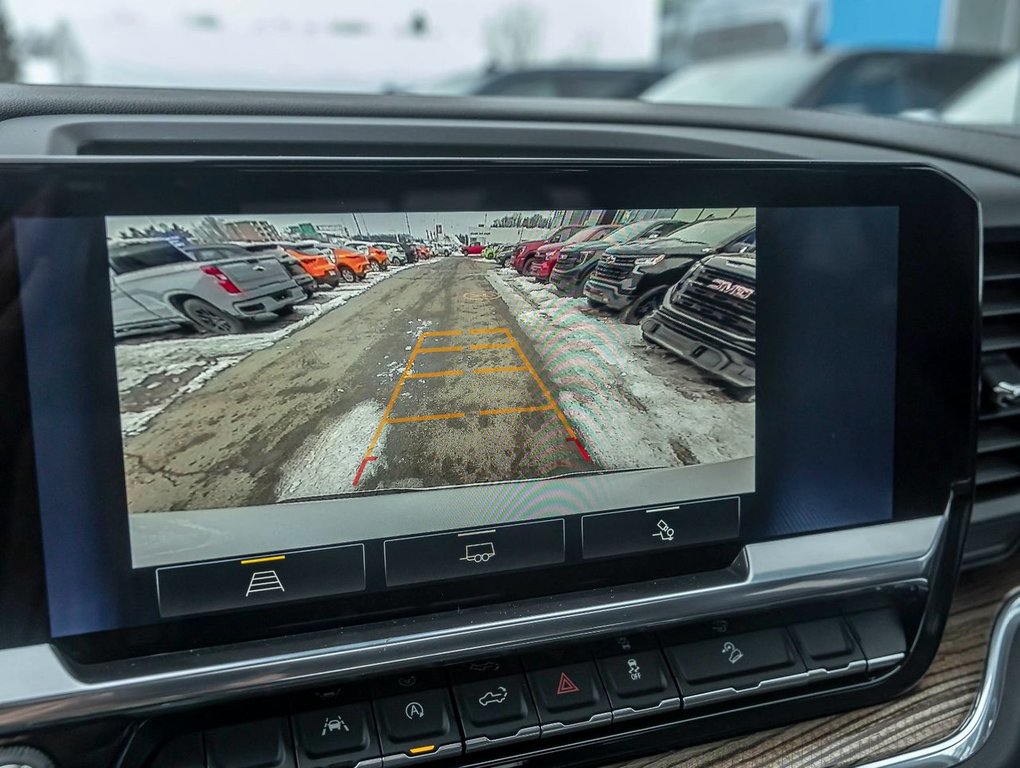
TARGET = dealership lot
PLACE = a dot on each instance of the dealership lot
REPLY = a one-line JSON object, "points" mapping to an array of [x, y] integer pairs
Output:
{"points": [[447, 372]]}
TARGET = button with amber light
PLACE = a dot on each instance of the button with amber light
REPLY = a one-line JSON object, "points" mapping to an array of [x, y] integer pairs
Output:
{"points": [[416, 726]]}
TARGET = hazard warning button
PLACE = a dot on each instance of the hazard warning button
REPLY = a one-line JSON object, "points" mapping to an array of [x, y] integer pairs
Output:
{"points": [[569, 696]]}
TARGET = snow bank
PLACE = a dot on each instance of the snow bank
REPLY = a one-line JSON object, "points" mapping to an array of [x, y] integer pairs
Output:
{"points": [[630, 405], [329, 459]]}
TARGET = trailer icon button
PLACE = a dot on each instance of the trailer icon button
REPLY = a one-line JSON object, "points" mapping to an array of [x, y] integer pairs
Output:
{"points": [[479, 553], [468, 554]]}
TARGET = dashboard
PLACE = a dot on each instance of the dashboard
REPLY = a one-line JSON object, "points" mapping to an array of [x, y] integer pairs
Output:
{"points": [[384, 576]]}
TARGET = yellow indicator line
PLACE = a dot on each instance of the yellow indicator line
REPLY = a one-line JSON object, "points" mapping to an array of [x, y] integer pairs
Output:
{"points": [[422, 750], [501, 369], [501, 345], [443, 333], [429, 417], [423, 350], [541, 385], [393, 398], [434, 374], [263, 559], [526, 409], [482, 331]]}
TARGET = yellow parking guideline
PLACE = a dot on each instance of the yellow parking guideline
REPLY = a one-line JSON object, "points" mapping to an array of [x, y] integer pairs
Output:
{"points": [[426, 417], [254, 560], [501, 369], [423, 350], [406, 374], [524, 409], [434, 374], [542, 386]]}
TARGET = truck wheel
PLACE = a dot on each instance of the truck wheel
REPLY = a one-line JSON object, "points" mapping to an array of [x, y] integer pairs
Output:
{"points": [[743, 394], [528, 270], [347, 275], [208, 318], [643, 306]]}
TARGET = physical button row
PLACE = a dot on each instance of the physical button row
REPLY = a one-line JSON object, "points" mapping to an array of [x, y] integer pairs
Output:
{"points": [[504, 701], [268, 579]]}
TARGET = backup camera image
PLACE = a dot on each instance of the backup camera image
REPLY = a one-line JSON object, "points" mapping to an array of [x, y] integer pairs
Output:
{"points": [[283, 358]]}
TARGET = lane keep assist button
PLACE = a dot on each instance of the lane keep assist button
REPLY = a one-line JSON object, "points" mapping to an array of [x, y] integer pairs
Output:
{"points": [[244, 582]]}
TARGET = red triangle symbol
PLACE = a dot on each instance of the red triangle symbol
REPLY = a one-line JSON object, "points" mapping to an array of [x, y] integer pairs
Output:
{"points": [[566, 685]]}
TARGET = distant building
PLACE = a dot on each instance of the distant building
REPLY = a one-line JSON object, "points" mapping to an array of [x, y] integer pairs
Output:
{"points": [[253, 230], [211, 230]]}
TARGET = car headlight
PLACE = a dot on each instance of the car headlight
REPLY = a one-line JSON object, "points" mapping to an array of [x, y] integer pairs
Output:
{"points": [[650, 261]]}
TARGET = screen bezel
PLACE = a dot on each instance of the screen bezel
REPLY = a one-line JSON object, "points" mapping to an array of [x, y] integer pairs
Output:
{"points": [[935, 384]]}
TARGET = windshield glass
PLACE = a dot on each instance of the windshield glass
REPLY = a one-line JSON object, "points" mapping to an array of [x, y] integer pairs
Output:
{"points": [[630, 232], [751, 81], [928, 60], [712, 232]]}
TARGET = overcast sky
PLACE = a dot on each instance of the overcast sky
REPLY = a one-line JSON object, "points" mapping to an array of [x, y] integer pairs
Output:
{"points": [[296, 45], [453, 223]]}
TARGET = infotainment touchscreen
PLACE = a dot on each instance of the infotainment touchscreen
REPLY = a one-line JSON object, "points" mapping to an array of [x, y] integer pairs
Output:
{"points": [[414, 359], [257, 401]]}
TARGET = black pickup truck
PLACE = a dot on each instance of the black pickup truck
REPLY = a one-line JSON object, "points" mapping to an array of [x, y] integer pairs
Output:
{"points": [[708, 319], [634, 277]]}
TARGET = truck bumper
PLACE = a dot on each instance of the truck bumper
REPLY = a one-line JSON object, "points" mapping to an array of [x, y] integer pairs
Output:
{"points": [[727, 363], [269, 300], [608, 294]]}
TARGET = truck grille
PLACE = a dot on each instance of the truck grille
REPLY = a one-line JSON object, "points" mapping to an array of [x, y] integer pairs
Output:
{"points": [[730, 313], [617, 270]]}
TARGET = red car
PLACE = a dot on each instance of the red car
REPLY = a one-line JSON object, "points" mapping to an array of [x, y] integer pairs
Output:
{"points": [[475, 249], [525, 253], [547, 255]]}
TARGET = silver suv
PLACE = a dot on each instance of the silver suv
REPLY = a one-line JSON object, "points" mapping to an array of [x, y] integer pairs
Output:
{"points": [[156, 285]]}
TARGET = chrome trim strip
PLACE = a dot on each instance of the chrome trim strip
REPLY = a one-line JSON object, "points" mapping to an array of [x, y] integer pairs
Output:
{"points": [[40, 686], [555, 729], [527, 733], [984, 715], [626, 713]]}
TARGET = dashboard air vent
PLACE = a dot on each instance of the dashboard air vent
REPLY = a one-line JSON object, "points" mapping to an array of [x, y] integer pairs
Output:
{"points": [[995, 526]]}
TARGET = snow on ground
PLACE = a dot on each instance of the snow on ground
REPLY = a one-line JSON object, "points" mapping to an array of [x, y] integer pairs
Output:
{"points": [[666, 413], [317, 468], [152, 373]]}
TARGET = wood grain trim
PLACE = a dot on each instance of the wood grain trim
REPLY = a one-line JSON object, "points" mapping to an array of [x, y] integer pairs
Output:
{"points": [[927, 714]]}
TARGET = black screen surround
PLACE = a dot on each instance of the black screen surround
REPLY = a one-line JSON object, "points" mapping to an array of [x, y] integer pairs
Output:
{"points": [[869, 202]]}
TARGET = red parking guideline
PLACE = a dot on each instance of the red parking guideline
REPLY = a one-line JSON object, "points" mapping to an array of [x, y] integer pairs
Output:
{"points": [[361, 467]]}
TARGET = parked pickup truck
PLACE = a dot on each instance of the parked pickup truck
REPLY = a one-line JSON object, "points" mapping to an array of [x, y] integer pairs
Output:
{"points": [[156, 285], [633, 277], [547, 256], [708, 319], [578, 260], [527, 251]]}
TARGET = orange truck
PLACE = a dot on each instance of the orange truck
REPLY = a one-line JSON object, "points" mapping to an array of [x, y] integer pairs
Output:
{"points": [[316, 263], [350, 264], [377, 257]]}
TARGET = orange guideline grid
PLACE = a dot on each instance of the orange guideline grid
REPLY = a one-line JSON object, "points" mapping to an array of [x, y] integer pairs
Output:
{"points": [[510, 343]]}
